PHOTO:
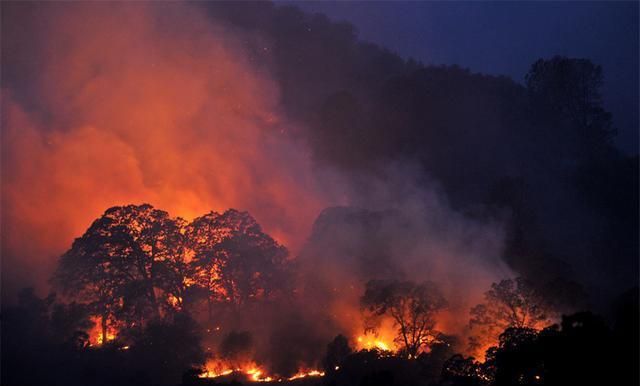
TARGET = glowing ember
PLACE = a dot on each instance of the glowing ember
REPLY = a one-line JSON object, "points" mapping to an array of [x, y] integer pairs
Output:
{"points": [[370, 343], [213, 374], [256, 375], [252, 371], [95, 333], [312, 373], [382, 337]]}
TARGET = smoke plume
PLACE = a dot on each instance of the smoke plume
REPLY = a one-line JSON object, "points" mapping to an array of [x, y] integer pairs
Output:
{"points": [[109, 104]]}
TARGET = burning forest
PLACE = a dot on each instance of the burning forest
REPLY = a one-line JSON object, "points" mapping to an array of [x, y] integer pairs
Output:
{"points": [[234, 193]]}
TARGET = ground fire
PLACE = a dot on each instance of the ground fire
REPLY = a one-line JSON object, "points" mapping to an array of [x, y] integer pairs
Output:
{"points": [[251, 372], [136, 265], [146, 280]]}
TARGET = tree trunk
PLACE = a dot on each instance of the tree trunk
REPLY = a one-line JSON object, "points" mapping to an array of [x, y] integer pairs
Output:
{"points": [[154, 301], [104, 328]]}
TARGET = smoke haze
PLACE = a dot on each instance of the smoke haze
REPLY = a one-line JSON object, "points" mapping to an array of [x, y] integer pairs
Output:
{"points": [[136, 103], [429, 173]]}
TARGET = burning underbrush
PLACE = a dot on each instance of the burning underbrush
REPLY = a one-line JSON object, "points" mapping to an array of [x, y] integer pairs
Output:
{"points": [[228, 301], [218, 301], [237, 359], [250, 372]]}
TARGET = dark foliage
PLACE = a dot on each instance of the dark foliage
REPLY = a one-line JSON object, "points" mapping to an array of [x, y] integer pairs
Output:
{"points": [[413, 308], [163, 350], [234, 260], [582, 350], [508, 304], [41, 333], [337, 352], [135, 264], [537, 155], [45, 343]]}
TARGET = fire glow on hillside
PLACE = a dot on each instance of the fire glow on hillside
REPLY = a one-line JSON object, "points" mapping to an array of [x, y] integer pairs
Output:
{"points": [[251, 372], [205, 193], [136, 265]]}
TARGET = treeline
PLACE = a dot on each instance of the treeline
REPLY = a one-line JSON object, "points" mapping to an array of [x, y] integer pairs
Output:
{"points": [[136, 263], [45, 342], [536, 153], [581, 349], [151, 285]]}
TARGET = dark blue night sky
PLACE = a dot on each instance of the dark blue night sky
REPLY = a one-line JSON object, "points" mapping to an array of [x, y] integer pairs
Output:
{"points": [[505, 38]]}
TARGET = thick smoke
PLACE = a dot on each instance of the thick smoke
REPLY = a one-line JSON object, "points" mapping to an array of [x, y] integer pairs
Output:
{"points": [[401, 231], [109, 104], [138, 103], [571, 209], [398, 230]]}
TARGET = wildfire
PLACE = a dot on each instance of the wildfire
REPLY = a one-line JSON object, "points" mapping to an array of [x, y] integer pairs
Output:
{"points": [[256, 375], [382, 337], [252, 372], [310, 373], [369, 342], [95, 333]]}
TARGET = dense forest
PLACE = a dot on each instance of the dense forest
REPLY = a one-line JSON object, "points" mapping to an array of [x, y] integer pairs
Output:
{"points": [[151, 295]]}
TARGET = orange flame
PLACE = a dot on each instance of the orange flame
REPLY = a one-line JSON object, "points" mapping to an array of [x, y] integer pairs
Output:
{"points": [[307, 373], [145, 129], [252, 371], [95, 333]]}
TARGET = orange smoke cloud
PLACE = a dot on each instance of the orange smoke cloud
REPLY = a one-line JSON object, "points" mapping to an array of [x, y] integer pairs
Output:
{"points": [[141, 104]]}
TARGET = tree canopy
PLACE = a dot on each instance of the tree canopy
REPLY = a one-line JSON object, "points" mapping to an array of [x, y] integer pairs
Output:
{"points": [[233, 259], [508, 304], [136, 263], [413, 307]]}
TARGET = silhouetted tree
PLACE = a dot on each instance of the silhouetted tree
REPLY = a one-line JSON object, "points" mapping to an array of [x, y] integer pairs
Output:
{"points": [[337, 350], [565, 93], [516, 358], [578, 352], [433, 360], [165, 349], [41, 339], [508, 304], [121, 260], [70, 323], [234, 260], [412, 306], [463, 371], [626, 336]]}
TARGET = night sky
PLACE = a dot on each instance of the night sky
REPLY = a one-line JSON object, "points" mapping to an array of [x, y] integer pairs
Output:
{"points": [[505, 38]]}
